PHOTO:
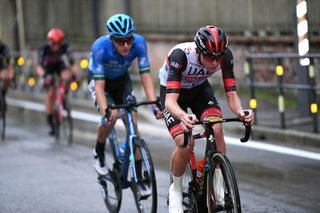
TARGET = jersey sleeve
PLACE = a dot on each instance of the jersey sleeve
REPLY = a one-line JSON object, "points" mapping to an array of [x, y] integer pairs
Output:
{"points": [[177, 62], [96, 62], [70, 55], [41, 56], [143, 59], [229, 80]]}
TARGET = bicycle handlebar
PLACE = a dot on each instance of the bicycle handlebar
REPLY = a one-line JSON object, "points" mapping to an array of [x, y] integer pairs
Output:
{"points": [[130, 105], [212, 122]]}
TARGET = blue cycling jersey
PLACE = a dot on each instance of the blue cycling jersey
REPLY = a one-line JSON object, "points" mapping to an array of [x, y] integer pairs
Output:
{"points": [[105, 62]]}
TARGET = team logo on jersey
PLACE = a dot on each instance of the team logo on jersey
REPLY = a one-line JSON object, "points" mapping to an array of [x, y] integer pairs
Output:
{"points": [[195, 71], [99, 68], [168, 117], [187, 50], [175, 64], [142, 61]]}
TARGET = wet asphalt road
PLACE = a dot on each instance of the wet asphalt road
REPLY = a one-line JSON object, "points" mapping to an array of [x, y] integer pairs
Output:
{"points": [[37, 175]]}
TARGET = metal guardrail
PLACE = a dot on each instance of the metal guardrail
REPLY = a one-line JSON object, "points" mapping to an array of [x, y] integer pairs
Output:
{"points": [[27, 79], [311, 88]]}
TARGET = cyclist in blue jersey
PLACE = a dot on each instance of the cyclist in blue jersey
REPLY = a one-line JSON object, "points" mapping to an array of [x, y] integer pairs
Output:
{"points": [[109, 80]]}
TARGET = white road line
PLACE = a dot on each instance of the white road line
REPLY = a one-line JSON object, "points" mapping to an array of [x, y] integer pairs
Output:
{"points": [[159, 131], [274, 148]]}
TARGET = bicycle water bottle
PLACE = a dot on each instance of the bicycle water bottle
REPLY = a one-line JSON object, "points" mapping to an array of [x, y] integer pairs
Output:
{"points": [[200, 179], [122, 148]]}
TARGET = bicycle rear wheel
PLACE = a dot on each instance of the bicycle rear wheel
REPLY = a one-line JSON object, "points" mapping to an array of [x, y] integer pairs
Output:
{"points": [[145, 190], [110, 184], [222, 188]]}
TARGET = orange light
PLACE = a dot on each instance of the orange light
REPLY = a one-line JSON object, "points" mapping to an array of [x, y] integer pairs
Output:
{"points": [[74, 86], [31, 82]]}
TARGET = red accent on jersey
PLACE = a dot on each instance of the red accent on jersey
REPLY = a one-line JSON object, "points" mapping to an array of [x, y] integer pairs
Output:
{"points": [[229, 82], [168, 61], [173, 84], [211, 111], [176, 130]]}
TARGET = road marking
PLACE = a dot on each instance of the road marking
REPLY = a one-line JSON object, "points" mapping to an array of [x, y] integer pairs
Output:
{"points": [[159, 131], [273, 148]]}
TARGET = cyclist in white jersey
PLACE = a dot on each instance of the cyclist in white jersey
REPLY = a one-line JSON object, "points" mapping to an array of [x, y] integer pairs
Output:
{"points": [[184, 84]]}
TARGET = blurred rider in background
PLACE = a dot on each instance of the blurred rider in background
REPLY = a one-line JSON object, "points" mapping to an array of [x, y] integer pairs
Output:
{"points": [[55, 58]]}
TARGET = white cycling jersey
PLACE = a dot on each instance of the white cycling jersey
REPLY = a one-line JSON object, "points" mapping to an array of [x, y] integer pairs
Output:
{"points": [[194, 74]]}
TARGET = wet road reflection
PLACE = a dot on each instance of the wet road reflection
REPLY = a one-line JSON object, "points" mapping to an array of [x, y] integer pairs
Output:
{"points": [[36, 173]]}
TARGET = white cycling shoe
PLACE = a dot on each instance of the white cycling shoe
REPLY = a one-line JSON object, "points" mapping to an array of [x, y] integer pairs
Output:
{"points": [[99, 164], [175, 196]]}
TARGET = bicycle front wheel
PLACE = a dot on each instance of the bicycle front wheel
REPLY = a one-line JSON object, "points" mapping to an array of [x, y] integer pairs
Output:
{"points": [[145, 190], [222, 188]]}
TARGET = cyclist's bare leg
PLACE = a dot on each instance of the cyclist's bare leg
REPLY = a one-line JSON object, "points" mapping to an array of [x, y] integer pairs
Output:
{"points": [[179, 160], [180, 156], [66, 76], [104, 131], [49, 99]]}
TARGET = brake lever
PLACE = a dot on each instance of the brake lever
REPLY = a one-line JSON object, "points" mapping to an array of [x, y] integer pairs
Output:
{"points": [[187, 137], [108, 112], [247, 130]]}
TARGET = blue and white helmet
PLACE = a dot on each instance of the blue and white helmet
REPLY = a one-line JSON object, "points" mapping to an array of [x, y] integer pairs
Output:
{"points": [[120, 25]]}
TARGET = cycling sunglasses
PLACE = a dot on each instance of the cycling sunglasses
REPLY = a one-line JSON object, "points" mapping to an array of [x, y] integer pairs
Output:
{"points": [[122, 41], [210, 57]]}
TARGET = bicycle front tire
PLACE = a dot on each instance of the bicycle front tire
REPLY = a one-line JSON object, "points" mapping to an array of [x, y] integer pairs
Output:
{"points": [[229, 201], [145, 202]]}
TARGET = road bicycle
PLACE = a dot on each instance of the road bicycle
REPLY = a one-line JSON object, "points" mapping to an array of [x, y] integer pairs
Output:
{"points": [[63, 123], [207, 194], [122, 169]]}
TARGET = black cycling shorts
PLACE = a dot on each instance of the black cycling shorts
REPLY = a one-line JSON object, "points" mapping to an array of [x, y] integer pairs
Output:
{"points": [[200, 100], [118, 91]]}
